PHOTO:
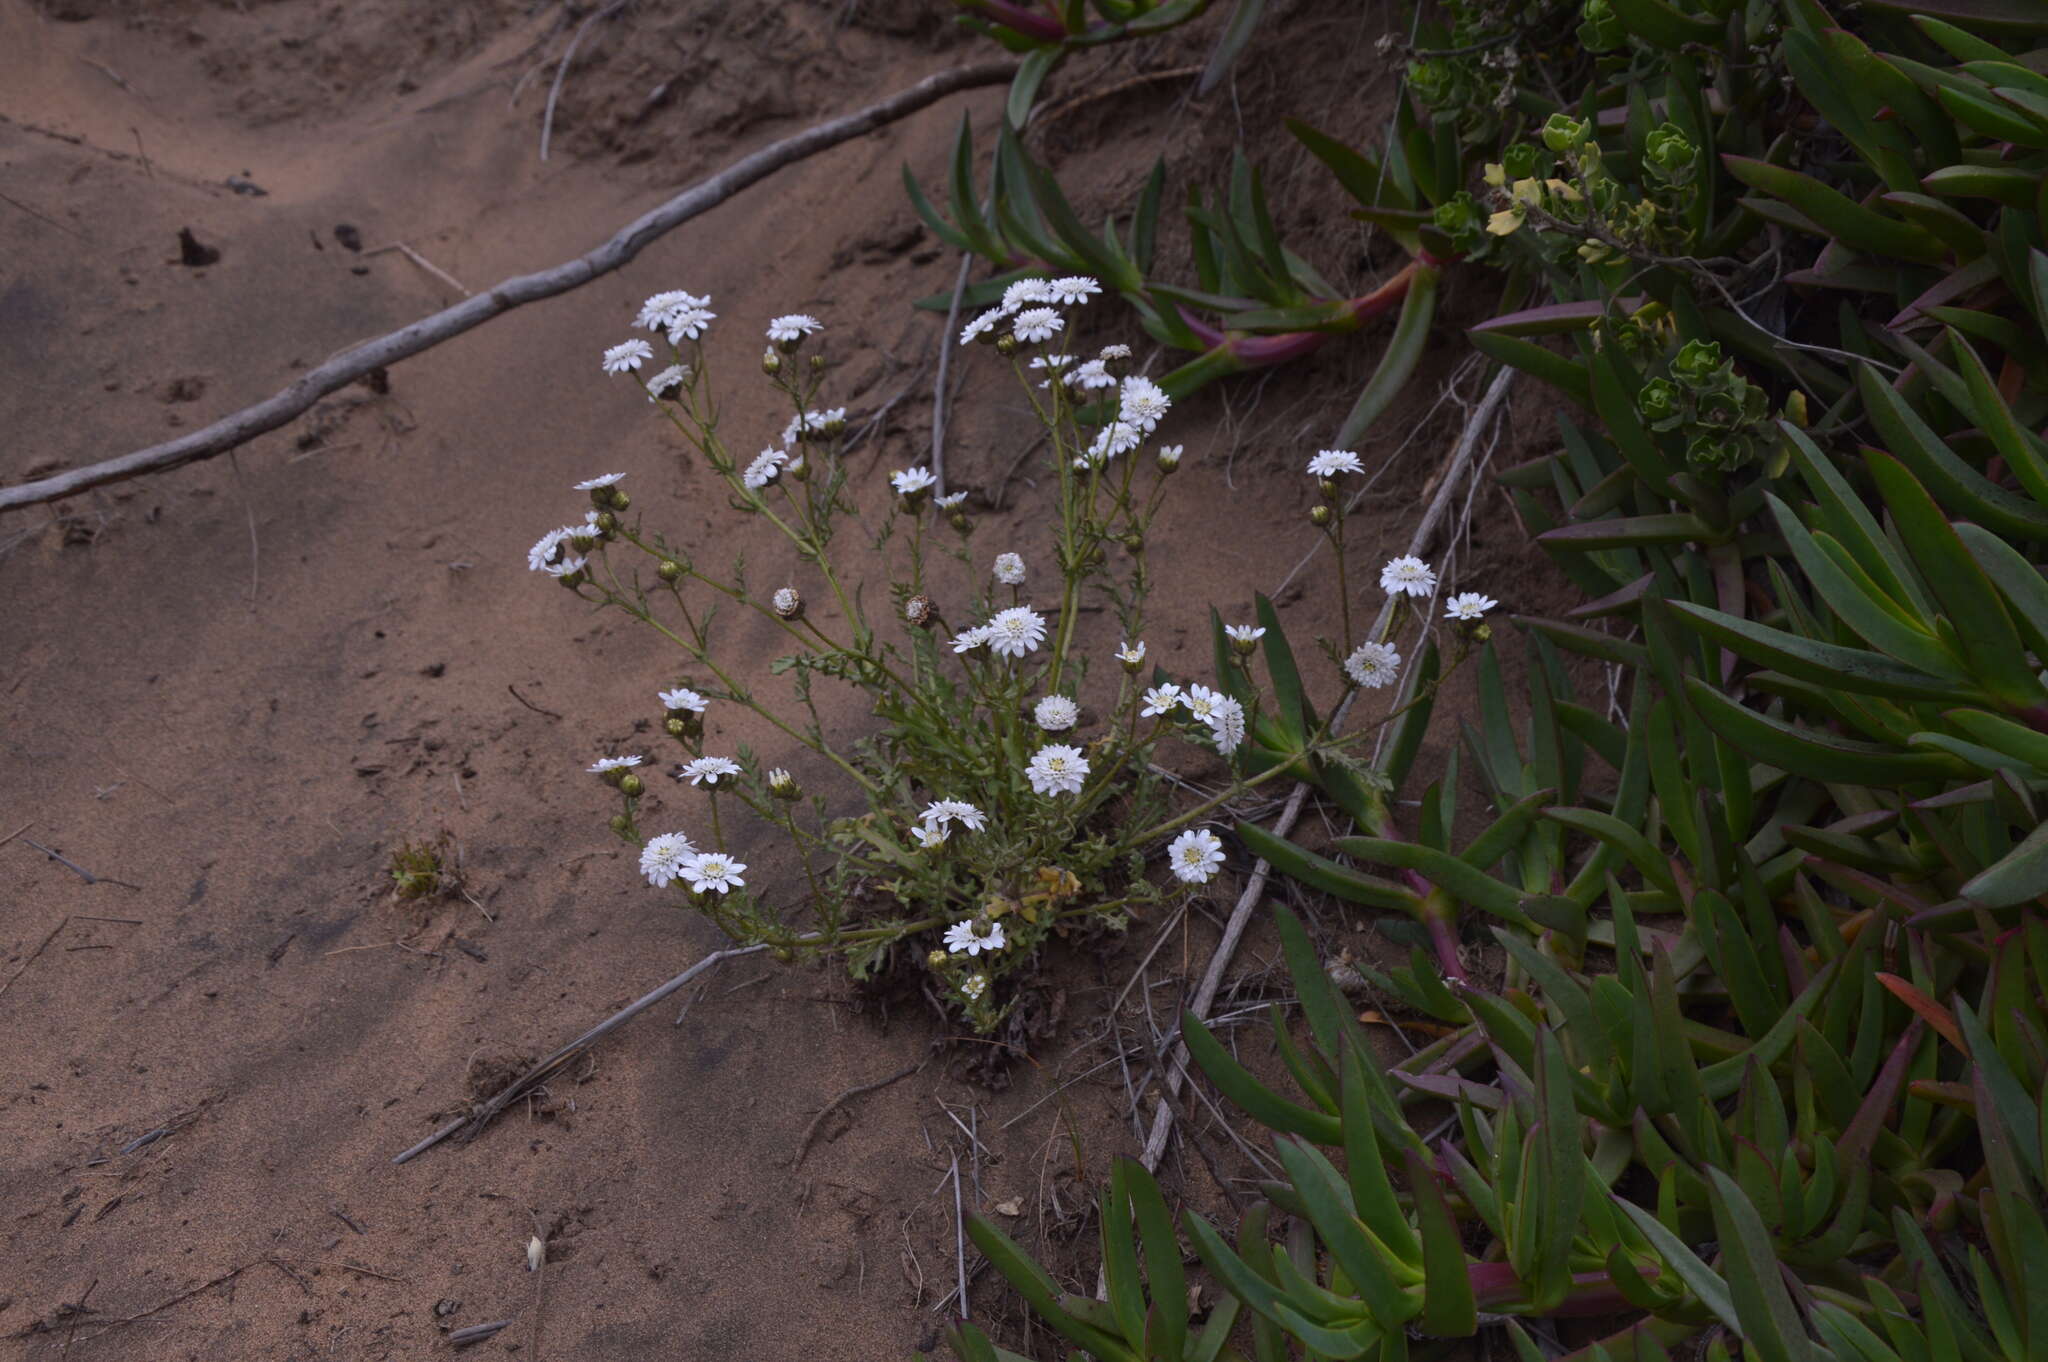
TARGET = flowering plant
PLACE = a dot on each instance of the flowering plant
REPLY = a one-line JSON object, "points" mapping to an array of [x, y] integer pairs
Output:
{"points": [[1003, 798]]}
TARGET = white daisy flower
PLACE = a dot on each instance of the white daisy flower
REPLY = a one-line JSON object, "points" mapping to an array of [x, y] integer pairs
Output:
{"points": [[1142, 403], [1118, 437], [1016, 631], [1226, 724], [1009, 569], [793, 327], [707, 770], [1025, 291], [712, 872], [911, 481], [1243, 633], [1057, 769], [1169, 457], [1131, 654], [961, 938], [1468, 605], [1035, 324], [1202, 702], [566, 567], [542, 554], [1073, 290], [1373, 665], [967, 640], [627, 356], [806, 424], [973, 986], [690, 323], [606, 480], [929, 835], [1328, 463], [1089, 376], [1407, 576], [955, 811], [1110, 352], [603, 764], [765, 468], [1056, 713], [982, 325], [661, 860], [1162, 700], [672, 377], [656, 311], [1051, 361], [680, 699], [1195, 856], [949, 501]]}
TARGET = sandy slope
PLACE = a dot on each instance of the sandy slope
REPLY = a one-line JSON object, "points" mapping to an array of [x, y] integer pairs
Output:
{"points": [[242, 737]]}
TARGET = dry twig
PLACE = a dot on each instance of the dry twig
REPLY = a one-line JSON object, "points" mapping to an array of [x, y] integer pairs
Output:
{"points": [[811, 1131]]}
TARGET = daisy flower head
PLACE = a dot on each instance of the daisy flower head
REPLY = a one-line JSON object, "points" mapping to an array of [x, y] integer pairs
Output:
{"points": [[627, 356], [1141, 403], [566, 567], [1132, 655], [1051, 361], [1035, 324], [1226, 724], [963, 939], [967, 640], [1009, 569], [603, 480], [690, 322], [790, 330], [973, 986], [1195, 855], [949, 501], [712, 872], [1244, 635], [1407, 576], [984, 325], [604, 764], [1118, 437], [1202, 702], [1169, 457], [672, 377], [661, 860], [787, 603], [910, 481], [547, 550], [765, 468], [707, 770], [1074, 290], [1057, 768], [945, 812], [1023, 292], [1055, 713], [1328, 463], [1016, 631], [929, 835], [1112, 352], [1089, 376], [1468, 605], [680, 699], [1162, 700], [1373, 665], [655, 312]]}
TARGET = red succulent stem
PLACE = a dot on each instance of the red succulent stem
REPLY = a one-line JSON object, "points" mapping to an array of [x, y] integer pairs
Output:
{"points": [[1592, 1294], [1029, 22]]}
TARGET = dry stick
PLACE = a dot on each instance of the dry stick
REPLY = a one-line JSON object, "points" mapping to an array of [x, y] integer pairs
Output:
{"points": [[959, 1237], [811, 1131], [547, 122], [534, 1076], [352, 364], [1233, 931], [939, 387], [429, 266], [477, 1333], [162, 1306]]}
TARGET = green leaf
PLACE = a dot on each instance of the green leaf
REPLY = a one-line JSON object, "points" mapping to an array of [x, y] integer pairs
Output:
{"points": [[1230, 45], [1469, 886], [1364, 179], [1701, 1280], [1837, 215], [1319, 872], [1040, 1291], [1770, 1323], [1403, 353], [1661, 25], [1630, 532], [1811, 752], [1566, 375], [1262, 1104], [1448, 1307], [1031, 73], [2021, 876], [1163, 1272], [1826, 664]]}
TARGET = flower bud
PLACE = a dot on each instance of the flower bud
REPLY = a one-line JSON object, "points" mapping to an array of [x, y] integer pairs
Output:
{"points": [[583, 541], [620, 501], [817, 363], [607, 524], [1006, 345], [918, 610], [1169, 458], [959, 521], [1327, 489], [572, 580], [671, 571], [631, 786], [788, 605], [676, 726], [1320, 517], [782, 785], [1134, 542], [935, 960], [621, 824], [771, 363]]}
